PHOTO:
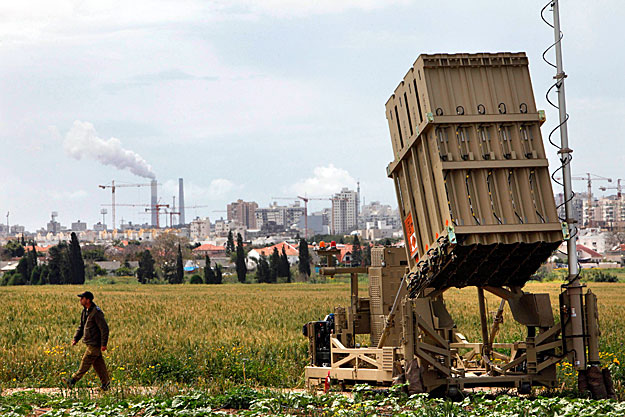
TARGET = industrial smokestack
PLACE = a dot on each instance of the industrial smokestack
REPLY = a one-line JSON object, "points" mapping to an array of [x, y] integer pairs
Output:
{"points": [[181, 202], [154, 202]]}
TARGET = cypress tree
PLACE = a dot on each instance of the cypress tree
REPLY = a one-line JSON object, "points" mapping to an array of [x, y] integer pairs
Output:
{"points": [[76, 263], [32, 261], [285, 265], [274, 266], [218, 274], [304, 258], [240, 261], [230, 243], [356, 252], [209, 274], [179, 274], [263, 270]]}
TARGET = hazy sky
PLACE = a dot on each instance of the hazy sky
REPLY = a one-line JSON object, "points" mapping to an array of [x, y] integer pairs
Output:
{"points": [[258, 98]]}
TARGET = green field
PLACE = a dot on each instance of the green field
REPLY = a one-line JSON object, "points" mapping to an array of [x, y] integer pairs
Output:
{"points": [[204, 336]]}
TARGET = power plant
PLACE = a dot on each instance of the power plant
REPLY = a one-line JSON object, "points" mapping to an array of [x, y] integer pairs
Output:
{"points": [[180, 202], [154, 202], [154, 207]]}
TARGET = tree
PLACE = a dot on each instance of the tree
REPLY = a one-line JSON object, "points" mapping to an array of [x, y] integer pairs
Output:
{"points": [[614, 239], [178, 276], [304, 258], [76, 263], [285, 266], [25, 266], [218, 274], [230, 243], [165, 253], [196, 279], [32, 260], [209, 274], [165, 248], [14, 249], [93, 253], [356, 252], [39, 275], [274, 265], [22, 272], [366, 255], [58, 264], [240, 261], [263, 270], [145, 272]]}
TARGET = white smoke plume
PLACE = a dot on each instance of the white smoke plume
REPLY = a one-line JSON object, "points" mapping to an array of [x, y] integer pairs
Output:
{"points": [[82, 141]]}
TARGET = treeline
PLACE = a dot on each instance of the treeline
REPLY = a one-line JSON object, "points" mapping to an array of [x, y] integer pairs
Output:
{"points": [[65, 266], [268, 270]]}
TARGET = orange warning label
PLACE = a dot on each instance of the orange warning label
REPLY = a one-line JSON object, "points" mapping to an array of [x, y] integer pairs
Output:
{"points": [[412, 237]]}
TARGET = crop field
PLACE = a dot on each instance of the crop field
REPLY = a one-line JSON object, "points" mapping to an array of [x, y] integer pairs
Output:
{"points": [[221, 336]]}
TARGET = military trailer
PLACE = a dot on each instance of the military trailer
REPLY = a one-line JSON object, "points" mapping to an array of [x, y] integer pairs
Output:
{"points": [[474, 193]]}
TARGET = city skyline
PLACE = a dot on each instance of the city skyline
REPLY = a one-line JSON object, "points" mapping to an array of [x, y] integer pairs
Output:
{"points": [[248, 100]]}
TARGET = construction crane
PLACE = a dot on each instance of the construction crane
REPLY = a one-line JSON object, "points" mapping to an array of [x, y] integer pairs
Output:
{"points": [[148, 208], [113, 187], [619, 194], [305, 200], [173, 211], [157, 208], [589, 178]]}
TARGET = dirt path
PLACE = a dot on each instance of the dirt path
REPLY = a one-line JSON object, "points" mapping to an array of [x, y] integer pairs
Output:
{"points": [[88, 391]]}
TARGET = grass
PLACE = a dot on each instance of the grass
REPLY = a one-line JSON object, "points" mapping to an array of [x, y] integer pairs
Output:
{"points": [[219, 336]]}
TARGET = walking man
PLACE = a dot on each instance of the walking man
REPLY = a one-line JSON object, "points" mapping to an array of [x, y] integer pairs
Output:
{"points": [[94, 332]]}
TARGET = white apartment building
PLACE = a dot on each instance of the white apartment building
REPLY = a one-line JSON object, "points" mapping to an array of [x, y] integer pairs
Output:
{"points": [[344, 211], [200, 229]]}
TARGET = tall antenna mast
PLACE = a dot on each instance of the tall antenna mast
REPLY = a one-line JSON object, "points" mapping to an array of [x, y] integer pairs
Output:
{"points": [[573, 287]]}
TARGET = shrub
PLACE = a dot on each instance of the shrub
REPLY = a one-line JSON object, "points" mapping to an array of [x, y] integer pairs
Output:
{"points": [[123, 271], [196, 279], [595, 275]]}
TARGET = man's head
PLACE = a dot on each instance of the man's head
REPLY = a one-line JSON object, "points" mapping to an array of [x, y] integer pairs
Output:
{"points": [[86, 298]]}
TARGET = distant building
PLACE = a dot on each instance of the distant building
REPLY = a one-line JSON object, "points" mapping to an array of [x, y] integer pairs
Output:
{"points": [[53, 226], [222, 227], [316, 224], [285, 216], [17, 229], [593, 239], [243, 213], [378, 215], [200, 228], [292, 252], [344, 211], [79, 226], [578, 203], [210, 250], [99, 227]]}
